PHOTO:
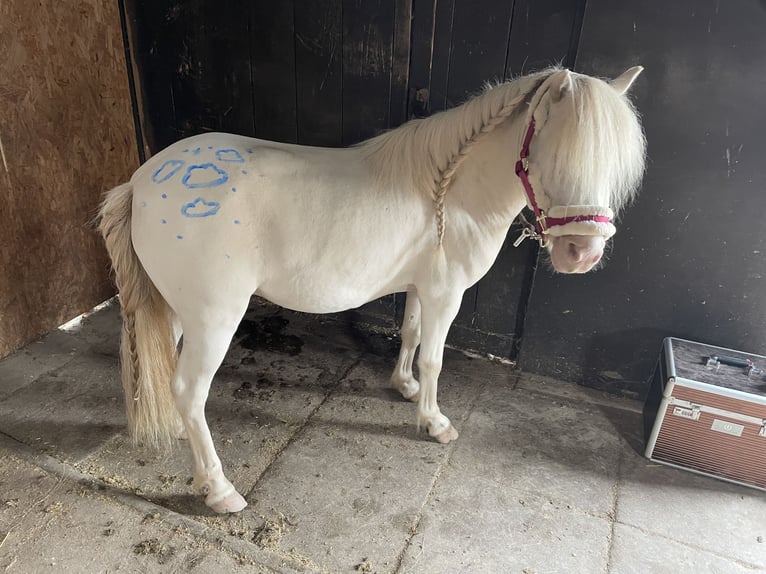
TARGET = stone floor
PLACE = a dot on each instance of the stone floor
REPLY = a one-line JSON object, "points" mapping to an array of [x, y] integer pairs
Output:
{"points": [[546, 477]]}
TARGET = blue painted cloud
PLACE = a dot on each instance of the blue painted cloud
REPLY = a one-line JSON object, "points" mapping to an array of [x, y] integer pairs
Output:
{"points": [[204, 175], [167, 170], [200, 208], [229, 155]]}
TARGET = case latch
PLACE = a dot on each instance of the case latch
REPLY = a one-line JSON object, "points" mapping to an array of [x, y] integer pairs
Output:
{"points": [[693, 412]]}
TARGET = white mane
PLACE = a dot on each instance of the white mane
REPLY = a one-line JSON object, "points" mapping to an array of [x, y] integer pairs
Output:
{"points": [[596, 158]]}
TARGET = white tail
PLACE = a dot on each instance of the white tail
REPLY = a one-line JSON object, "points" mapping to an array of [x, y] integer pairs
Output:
{"points": [[147, 349]]}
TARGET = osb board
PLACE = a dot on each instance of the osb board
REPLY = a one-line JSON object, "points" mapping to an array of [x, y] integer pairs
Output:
{"points": [[66, 135]]}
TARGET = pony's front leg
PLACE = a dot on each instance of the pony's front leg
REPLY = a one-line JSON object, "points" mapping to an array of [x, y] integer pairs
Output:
{"points": [[402, 379], [202, 354], [438, 314]]}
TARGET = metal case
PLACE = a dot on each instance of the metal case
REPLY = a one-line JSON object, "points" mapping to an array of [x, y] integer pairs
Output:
{"points": [[706, 412]]}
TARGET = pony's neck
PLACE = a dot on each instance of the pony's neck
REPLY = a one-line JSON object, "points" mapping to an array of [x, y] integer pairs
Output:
{"points": [[416, 154]]}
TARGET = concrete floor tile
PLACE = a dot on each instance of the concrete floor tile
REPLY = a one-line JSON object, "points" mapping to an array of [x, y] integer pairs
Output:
{"points": [[637, 552], [723, 518], [26, 365], [471, 524], [352, 483], [52, 524], [542, 445], [253, 412], [68, 412]]}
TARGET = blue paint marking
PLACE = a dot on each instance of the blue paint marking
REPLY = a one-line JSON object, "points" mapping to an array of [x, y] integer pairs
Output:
{"points": [[200, 208], [179, 236], [167, 170], [204, 175], [197, 150], [229, 155], [236, 222], [164, 221], [234, 190], [244, 172], [209, 147], [164, 196], [250, 151]]}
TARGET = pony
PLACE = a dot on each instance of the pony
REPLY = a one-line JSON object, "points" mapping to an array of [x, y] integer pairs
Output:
{"points": [[424, 209]]}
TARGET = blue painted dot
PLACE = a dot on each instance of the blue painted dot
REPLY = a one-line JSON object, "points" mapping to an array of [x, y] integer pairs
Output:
{"points": [[234, 190], [244, 171], [164, 221], [250, 151], [209, 147], [164, 196], [236, 222], [197, 150], [186, 151], [179, 236]]}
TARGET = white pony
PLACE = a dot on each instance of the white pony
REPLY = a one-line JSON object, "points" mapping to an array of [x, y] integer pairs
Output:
{"points": [[425, 208]]}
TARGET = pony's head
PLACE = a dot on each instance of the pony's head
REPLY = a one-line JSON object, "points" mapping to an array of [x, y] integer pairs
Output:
{"points": [[581, 161]]}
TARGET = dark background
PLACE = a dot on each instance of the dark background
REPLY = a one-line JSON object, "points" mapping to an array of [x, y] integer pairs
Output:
{"points": [[688, 259]]}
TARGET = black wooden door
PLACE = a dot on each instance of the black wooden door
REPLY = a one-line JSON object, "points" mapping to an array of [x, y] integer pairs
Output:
{"points": [[335, 72]]}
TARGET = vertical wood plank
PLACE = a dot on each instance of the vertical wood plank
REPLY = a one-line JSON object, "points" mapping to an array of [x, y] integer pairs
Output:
{"points": [[194, 60], [212, 87], [319, 73], [440, 60], [480, 37], [156, 29], [272, 43], [368, 37], [542, 34], [421, 57], [400, 63]]}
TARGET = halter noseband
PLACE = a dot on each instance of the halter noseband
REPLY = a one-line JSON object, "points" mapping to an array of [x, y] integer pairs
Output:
{"points": [[543, 223]]}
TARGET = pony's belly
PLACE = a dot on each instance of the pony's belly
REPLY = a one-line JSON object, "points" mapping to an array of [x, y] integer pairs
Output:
{"points": [[327, 296]]}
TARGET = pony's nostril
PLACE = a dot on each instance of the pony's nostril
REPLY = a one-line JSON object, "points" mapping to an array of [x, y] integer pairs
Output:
{"points": [[575, 252]]}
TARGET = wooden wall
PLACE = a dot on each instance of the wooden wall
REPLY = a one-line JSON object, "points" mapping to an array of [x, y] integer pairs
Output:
{"points": [[66, 135]]}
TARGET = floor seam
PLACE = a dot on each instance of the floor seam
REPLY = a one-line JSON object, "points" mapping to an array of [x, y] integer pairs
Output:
{"points": [[739, 561], [612, 517], [228, 543], [299, 431], [434, 481]]}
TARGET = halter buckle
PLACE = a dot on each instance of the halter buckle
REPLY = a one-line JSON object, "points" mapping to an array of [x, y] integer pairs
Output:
{"points": [[531, 233]]}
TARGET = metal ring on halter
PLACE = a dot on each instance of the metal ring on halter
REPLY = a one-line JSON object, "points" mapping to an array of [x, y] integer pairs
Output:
{"points": [[529, 231]]}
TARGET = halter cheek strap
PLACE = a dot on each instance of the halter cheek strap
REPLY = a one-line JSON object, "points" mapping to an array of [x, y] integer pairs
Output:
{"points": [[561, 220]]}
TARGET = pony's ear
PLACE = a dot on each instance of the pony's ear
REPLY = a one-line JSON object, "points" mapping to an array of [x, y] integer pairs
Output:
{"points": [[561, 83], [622, 84], [552, 91]]}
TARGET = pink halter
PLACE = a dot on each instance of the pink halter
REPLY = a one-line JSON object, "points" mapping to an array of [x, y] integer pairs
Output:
{"points": [[543, 223]]}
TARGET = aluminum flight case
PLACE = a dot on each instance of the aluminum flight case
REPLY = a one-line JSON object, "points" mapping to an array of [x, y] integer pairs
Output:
{"points": [[706, 412]]}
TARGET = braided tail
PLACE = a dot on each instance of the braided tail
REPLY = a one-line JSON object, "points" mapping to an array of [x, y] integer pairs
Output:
{"points": [[147, 349]]}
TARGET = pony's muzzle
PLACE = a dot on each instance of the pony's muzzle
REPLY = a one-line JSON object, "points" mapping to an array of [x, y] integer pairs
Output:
{"points": [[576, 253]]}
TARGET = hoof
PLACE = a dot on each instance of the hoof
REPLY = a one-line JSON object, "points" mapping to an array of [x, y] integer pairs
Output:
{"points": [[447, 435], [232, 502]]}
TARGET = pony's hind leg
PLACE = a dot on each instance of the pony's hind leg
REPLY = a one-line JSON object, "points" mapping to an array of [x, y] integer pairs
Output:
{"points": [[402, 378], [438, 314], [180, 431], [204, 348]]}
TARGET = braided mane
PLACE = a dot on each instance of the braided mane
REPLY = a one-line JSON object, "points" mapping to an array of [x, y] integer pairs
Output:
{"points": [[428, 152]]}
